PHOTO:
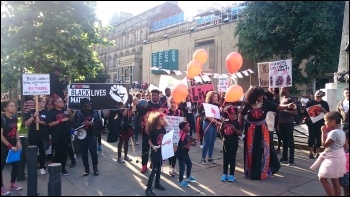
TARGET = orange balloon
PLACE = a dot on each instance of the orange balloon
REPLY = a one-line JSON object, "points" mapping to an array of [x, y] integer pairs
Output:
{"points": [[179, 93], [194, 68], [201, 55], [234, 93], [234, 62]]}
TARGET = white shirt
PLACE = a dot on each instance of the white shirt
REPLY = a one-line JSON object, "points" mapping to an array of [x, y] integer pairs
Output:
{"points": [[304, 101], [270, 120], [346, 105]]}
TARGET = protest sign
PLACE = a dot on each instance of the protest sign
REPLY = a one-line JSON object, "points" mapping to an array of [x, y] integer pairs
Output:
{"points": [[36, 84], [223, 84], [211, 111], [167, 145], [199, 90], [280, 73], [263, 74], [102, 96], [173, 124], [315, 112]]}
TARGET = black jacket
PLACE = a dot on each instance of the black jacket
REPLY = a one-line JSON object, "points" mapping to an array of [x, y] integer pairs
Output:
{"points": [[56, 87]]}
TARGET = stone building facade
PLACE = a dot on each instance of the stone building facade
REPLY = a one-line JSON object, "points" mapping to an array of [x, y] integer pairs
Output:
{"points": [[123, 60]]}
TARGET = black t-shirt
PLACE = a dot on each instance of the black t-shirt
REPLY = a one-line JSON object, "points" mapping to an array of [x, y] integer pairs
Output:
{"points": [[227, 131], [60, 131], [258, 114], [156, 137], [155, 106], [43, 132], [9, 127], [323, 104], [182, 152]]}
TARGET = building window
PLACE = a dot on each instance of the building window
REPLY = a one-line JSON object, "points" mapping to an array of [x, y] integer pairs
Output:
{"points": [[135, 38], [141, 35], [127, 41]]}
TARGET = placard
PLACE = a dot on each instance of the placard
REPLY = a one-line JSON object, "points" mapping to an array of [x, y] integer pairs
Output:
{"points": [[173, 124], [102, 95], [223, 84], [263, 74], [167, 145], [211, 111], [315, 112], [36, 84], [280, 73], [199, 90]]}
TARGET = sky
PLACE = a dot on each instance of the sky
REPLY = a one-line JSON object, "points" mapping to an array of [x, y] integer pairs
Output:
{"points": [[105, 9]]}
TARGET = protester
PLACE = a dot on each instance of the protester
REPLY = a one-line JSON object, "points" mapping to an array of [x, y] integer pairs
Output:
{"points": [[230, 130], [173, 111], [136, 120], [56, 87], [184, 145], [257, 135], [38, 137], [315, 127], [164, 99], [59, 122], [188, 109], [210, 126], [286, 127], [343, 107], [92, 125], [9, 141], [155, 130]]}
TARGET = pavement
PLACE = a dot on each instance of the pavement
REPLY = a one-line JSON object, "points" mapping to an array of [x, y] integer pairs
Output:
{"points": [[118, 179]]}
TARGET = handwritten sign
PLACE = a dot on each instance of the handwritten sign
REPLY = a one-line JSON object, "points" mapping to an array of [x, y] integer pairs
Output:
{"points": [[167, 145], [199, 90], [280, 73], [36, 84], [211, 111], [223, 84], [315, 112], [173, 124], [263, 74]]}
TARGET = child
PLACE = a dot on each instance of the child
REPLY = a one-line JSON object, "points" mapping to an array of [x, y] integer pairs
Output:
{"points": [[182, 154], [155, 130], [332, 161], [344, 181], [230, 130]]}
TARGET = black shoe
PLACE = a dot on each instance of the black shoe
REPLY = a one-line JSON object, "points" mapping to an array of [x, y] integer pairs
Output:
{"points": [[87, 172], [96, 172], [65, 173], [149, 192], [159, 187], [282, 160], [311, 156], [73, 164]]}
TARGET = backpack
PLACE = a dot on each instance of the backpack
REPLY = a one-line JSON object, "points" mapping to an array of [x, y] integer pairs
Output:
{"points": [[4, 119]]}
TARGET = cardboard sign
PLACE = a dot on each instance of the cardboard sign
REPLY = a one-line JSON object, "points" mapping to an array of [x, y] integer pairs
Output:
{"points": [[167, 145], [36, 84], [223, 84], [211, 111], [315, 112], [199, 90], [173, 124], [263, 74], [280, 73]]}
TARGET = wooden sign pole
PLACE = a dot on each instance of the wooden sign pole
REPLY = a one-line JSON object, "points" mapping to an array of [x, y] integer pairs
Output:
{"points": [[37, 109]]}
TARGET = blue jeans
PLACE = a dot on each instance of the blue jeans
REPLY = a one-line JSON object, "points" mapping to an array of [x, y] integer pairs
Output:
{"points": [[210, 137], [182, 162]]}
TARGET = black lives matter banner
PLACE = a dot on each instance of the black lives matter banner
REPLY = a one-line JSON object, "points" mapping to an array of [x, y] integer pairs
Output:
{"points": [[102, 95]]}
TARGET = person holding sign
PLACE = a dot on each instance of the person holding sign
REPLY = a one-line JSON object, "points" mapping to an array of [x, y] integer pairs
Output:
{"points": [[9, 141], [38, 137], [315, 108], [173, 111], [155, 128], [210, 126], [259, 162], [56, 86], [58, 122]]}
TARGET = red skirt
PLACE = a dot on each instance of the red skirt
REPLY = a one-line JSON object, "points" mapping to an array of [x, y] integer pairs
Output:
{"points": [[124, 135]]}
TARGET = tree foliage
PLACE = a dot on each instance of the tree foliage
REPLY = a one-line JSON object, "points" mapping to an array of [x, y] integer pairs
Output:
{"points": [[302, 29], [36, 35]]}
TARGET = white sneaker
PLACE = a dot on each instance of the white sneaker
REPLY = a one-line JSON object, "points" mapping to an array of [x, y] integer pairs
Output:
{"points": [[42, 171], [201, 146], [171, 171], [121, 160]]}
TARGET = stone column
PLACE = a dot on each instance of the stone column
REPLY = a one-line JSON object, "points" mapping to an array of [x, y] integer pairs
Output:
{"points": [[343, 64]]}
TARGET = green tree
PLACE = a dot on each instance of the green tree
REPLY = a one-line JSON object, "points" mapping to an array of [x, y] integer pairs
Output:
{"points": [[36, 35], [306, 30]]}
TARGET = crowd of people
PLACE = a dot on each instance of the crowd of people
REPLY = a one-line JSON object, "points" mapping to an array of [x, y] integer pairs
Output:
{"points": [[254, 119]]}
